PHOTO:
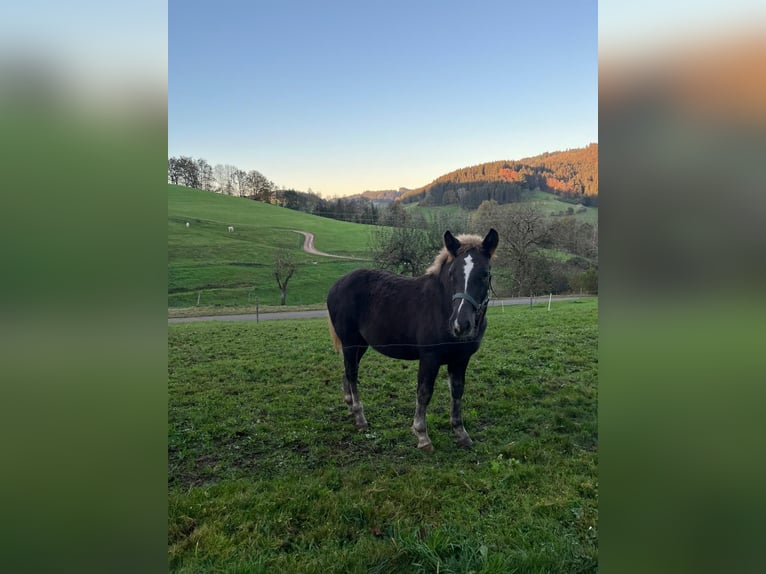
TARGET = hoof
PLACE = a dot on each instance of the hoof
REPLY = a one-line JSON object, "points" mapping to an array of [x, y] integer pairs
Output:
{"points": [[361, 427], [465, 443], [424, 443]]}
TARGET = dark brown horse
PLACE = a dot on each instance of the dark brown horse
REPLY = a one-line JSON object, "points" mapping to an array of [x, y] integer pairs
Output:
{"points": [[438, 319]]}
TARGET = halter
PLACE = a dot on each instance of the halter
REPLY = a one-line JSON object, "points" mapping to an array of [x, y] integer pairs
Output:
{"points": [[481, 308], [471, 300]]}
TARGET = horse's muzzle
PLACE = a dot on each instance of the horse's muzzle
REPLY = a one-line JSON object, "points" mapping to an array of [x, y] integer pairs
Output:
{"points": [[462, 329]]}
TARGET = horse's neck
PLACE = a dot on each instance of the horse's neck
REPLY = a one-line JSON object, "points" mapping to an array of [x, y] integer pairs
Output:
{"points": [[440, 286]]}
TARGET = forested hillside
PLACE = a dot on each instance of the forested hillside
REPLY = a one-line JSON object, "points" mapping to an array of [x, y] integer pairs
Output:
{"points": [[570, 174], [383, 196]]}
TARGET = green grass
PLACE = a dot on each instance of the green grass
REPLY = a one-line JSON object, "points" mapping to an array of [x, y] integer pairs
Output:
{"points": [[266, 472], [548, 204], [429, 212], [208, 264], [210, 267]]}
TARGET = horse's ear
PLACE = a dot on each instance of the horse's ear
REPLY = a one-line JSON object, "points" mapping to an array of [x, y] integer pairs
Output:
{"points": [[451, 243], [490, 242]]}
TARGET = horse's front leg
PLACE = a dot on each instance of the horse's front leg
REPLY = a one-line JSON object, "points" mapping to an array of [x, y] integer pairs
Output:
{"points": [[426, 376], [456, 372]]}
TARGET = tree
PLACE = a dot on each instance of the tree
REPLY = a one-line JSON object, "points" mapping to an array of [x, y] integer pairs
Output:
{"points": [[401, 249], [205, 172], [174, 173], [523, 231], [260, 187], [183, 171], [284, 268], [486, 216], [394, 215], [224, 175], [239, 179]]}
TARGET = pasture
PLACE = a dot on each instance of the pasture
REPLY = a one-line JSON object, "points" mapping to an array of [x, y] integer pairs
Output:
{"points": [[210, 266], [546, 202], [266, 472], [549, 203]]}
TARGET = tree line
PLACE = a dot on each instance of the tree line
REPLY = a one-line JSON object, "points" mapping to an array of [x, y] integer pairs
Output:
{"points": [[221, 178], [228, 179], [570, 174]]}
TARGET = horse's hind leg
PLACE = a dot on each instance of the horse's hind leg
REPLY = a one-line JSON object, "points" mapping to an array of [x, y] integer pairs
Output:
{"points": [[456, 374], [352, 354]]}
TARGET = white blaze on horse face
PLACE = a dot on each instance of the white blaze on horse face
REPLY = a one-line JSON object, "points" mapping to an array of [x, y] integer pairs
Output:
{"points": [[467, 268]]}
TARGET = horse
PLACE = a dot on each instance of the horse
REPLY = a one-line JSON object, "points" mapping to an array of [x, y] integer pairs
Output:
{"points": [[438, 319], [231, 228]]}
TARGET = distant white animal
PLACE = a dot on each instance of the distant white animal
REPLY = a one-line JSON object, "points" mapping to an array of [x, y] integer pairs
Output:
{"points": [[231, 228], [187, 224]]}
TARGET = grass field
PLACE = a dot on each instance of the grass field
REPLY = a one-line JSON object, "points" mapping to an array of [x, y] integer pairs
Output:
{"points": [[209, 266], [266, 472], [429, 212], [548, 203]]}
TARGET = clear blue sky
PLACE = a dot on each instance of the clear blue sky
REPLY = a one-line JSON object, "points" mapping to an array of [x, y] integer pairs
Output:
{"points": [[346, 96]]}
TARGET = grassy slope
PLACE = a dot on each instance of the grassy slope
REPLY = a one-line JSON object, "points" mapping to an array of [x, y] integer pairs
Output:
{"points": [[429, 211], [231, 268], [267, 474], [209, 265], [547, 203]]}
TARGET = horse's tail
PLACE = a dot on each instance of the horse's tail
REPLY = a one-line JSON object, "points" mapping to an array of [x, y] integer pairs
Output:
{"points": [[336, 343]]}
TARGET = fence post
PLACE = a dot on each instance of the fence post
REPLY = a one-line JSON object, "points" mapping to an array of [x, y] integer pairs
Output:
{"points": [[198, 296], [257, 311]]}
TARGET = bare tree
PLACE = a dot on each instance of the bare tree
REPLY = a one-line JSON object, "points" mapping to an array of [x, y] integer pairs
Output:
{"points": [[523, 229], [260, 187], [205, 172], [239, 179], [174, 172], [284, 268], [219, 174], [401, 249], [183, 171], [224, 175]]}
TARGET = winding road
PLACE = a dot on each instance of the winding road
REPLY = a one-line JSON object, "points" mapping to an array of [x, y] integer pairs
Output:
{"points": [[308, 246]]}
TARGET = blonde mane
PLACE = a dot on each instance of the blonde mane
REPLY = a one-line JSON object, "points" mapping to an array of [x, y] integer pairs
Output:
{"points": [[466, 242]]}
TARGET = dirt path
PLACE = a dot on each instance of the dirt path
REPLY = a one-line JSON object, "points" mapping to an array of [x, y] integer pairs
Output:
{"points": [[308, 246]]}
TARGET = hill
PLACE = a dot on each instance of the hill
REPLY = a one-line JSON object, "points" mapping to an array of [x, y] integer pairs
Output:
{"points": [[572, 175], [382, 196], [212, 266]]}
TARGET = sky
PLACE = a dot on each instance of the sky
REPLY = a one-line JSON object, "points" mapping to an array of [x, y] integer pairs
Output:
{"points": [[653, 27], [341, 97]]}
